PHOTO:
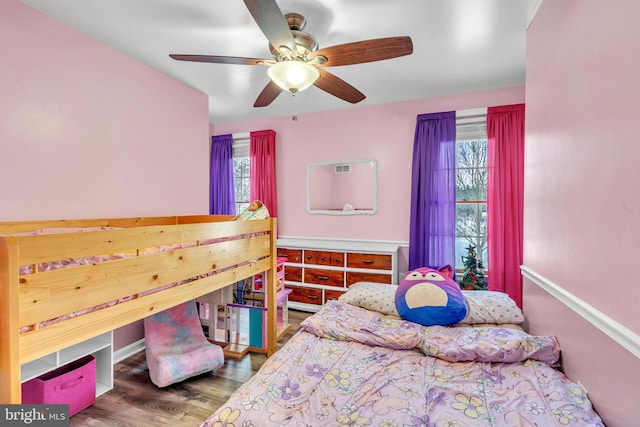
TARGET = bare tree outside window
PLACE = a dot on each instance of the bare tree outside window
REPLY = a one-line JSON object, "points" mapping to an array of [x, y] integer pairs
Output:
{"points": [[471, 200]]}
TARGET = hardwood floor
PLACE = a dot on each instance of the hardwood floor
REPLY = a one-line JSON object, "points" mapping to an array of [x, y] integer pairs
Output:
{"points": [[135, 401]]}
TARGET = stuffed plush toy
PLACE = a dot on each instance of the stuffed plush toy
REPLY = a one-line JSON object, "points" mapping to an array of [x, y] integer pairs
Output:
{"points": [[430, 297], [256, 210]]}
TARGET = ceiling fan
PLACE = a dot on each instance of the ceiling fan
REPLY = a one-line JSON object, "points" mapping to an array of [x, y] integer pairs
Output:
{"points": [[297, 60]]}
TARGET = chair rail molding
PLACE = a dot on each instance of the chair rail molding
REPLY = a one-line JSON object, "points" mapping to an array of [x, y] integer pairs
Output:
{"points": [[615, 330]]}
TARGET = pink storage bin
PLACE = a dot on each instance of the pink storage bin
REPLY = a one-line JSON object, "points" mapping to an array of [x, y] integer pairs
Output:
{"points": [[73, 384]]}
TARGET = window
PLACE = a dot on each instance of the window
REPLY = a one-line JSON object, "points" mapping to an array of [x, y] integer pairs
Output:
{"points": [[241, 173], [471, 190]]}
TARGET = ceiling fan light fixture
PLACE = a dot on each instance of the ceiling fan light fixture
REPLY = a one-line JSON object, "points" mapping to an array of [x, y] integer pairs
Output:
{"points": [[293, 75]]}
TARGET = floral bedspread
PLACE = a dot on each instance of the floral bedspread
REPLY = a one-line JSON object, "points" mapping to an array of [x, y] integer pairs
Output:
{"points": [[352, 367]]}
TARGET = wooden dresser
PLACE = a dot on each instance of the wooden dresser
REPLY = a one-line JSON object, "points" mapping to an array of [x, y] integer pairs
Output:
{"points": [[319, 270]]}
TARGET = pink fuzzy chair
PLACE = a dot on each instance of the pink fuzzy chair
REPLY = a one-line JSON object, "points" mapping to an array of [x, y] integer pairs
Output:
{"points": [[176, 347]]}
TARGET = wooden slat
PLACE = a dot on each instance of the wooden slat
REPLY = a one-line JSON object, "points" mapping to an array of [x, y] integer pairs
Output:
{"points": [[193, 219], [55, 293], [23, 226], [81, 328], [53, 247]]}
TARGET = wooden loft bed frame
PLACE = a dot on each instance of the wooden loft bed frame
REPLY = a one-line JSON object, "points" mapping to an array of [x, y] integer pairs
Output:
{"points": [[169, 260]]}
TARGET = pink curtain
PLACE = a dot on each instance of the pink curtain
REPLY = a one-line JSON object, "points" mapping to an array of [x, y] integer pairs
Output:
{"points": [[505, 196], [262, 155]]}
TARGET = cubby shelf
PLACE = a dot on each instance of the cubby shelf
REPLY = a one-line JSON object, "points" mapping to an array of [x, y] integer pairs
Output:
{"points": [[101, 347]]}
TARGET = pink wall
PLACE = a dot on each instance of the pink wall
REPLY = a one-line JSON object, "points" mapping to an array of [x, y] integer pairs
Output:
{"points": [[383, 132], [581, 185], [86, 131], [99, 134]]}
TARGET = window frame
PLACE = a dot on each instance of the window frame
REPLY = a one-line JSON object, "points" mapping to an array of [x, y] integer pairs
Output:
{"points": [[472, 127], [240, 151]]}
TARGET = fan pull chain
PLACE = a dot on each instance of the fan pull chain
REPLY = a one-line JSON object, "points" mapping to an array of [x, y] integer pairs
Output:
{"points": [[294, 115]]}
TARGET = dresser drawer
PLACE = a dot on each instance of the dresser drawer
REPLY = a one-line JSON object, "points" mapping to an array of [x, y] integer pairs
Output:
{"points": [[305, 295], [331, 295], [375, 261], [293, 274], [324, 258], [353, 277], [292, 255], [324, 277]]}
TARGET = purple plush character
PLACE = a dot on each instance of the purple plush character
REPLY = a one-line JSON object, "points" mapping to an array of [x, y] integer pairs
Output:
{"points": [[431, 297]]}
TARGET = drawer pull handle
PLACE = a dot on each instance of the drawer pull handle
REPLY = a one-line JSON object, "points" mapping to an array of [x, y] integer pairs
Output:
{"points": [[323, 277], [367, 261], [313, 296], [322, 258], [308, 256]]}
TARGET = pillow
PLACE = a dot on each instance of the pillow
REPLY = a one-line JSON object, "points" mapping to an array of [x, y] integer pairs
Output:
{"points": [[430, 297], [483, 307], [491, 307], [256, 210], [372, 296]]}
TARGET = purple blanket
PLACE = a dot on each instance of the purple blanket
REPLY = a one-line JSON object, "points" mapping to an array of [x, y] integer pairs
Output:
{"points": [[352, 367]]}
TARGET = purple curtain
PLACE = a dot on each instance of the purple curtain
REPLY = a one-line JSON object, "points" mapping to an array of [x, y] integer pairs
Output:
{"points": [[433, 192], [221, 191]]}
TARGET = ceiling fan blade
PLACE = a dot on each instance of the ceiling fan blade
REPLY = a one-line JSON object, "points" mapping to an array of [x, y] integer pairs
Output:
{"points": [[272, 22], [268, 94], [338, 87], [364, 51], [222, 59]]}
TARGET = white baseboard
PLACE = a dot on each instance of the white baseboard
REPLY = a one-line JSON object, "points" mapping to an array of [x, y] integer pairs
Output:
{"points": [[615, 330], [130, 350]]}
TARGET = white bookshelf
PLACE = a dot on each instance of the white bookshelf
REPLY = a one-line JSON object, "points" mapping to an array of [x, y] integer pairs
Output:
{"points": [[101, 347]]}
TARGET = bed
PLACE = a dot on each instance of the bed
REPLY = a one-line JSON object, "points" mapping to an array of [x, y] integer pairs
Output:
{"points": [[63, 282], [356, 363]]}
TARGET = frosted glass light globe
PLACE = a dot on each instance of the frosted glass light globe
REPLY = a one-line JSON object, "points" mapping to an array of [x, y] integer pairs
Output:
{"points": [[293, 76]]}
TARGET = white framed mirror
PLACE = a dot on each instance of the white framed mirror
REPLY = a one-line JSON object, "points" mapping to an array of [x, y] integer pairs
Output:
{"points": [[342, 187]]}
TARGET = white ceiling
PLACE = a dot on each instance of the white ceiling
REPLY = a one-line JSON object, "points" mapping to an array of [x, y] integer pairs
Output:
{"points": [[459, 46]]}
